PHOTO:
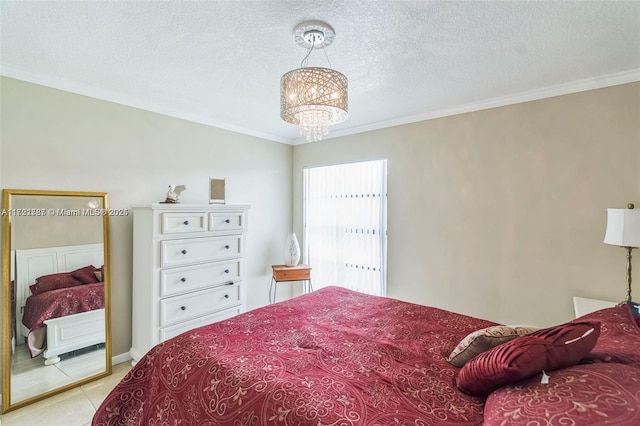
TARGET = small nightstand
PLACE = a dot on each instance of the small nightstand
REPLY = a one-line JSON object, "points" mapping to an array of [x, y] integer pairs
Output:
{"points": [[283, 273]]}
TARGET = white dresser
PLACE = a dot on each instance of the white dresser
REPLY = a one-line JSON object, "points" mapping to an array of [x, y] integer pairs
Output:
{"points": [[188, 269]]}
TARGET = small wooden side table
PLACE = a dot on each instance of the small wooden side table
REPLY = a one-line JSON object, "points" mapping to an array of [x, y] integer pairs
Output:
{"points": [[283, 273]]}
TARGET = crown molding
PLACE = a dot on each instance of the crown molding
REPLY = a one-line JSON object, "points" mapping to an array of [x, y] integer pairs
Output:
{"points": [[624, 77], [127, 100], [599, 82]]}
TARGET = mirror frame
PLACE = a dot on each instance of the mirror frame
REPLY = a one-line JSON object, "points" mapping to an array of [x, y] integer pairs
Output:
{"points": [[7, 195]]}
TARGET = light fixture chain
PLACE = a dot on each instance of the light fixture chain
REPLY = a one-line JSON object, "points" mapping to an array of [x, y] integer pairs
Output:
{"points": [[327, 56], [304, 60]]}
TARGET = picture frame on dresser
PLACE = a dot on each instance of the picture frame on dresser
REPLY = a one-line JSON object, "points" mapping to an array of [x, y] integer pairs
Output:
{"points": [[188, 269], [216, 191]]}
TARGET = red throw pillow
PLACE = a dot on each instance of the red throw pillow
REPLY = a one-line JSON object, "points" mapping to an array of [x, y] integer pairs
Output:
{"points": [[619, 337], [53, 282], [85, 275], [547, 349]]}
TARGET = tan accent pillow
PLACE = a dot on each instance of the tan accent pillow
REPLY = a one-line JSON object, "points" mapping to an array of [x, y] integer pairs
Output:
{"points": [[487, 338]]}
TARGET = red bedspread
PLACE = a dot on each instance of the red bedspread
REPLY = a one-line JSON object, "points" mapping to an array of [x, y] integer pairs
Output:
{"points": [[55, 304], [59, 303], [332, 357]]}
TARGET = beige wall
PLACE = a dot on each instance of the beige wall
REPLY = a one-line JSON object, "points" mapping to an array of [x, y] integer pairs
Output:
{"points": [[57, 140], [498, 213], [501, 213], [52, 230]]}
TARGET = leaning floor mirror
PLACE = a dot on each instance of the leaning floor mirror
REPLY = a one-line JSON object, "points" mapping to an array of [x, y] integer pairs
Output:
{"points": [[55, 296]]}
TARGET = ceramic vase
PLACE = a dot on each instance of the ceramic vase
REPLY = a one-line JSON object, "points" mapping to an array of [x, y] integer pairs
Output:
{"points": [[291, 250]]}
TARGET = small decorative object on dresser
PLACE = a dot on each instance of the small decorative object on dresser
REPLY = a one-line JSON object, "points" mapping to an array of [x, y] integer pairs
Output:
{"points": [[291, 250], [173, 194], [188, 269], [216, 191]]}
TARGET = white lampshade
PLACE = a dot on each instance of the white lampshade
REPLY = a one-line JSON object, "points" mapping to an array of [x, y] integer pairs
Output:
{"points": [[623, 227]]}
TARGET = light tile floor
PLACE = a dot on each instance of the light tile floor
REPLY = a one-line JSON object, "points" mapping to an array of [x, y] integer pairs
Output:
{"points": [[72, 408], [29, 376]]}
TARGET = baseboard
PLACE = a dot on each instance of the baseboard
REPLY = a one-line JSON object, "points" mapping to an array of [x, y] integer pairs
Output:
{"points": [[119, 359]]}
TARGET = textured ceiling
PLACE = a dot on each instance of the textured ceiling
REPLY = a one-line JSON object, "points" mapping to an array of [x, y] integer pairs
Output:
{"points": [[220, 62]]}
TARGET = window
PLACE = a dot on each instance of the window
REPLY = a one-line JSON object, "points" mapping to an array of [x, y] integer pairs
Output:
{"points": [[346, 225]]}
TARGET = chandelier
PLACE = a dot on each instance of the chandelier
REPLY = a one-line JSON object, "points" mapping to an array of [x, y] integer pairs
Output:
{"points": [[313, 97]]}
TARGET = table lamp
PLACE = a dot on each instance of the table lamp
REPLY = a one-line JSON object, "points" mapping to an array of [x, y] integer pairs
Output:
{"points": [[623, 229]]}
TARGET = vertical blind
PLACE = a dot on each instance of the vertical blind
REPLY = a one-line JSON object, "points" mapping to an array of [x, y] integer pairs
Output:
{"points": [[345, 225]]}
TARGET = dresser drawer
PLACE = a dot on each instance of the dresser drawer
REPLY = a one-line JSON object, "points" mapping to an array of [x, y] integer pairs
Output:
{"points": [[193, 305], [220, 221], [196, 250], [173, 331], [173, 223], [189, 278]]}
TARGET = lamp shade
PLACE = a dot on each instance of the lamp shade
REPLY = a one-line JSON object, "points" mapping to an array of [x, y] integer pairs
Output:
{"points": [[623, 227]]}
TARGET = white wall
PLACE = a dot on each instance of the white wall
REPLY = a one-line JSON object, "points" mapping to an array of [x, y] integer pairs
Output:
{"points": [[58, 140], [501, 213]]}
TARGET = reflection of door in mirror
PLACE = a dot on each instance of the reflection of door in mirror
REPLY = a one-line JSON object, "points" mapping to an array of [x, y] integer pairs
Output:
{"points": [[55, 313]]}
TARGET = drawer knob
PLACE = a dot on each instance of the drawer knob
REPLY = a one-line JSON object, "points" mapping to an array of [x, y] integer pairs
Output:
{"points": [[183, 279], [227, 221], [226, 296], [183, 252], [186, 222], [183, 308], [227, 246], [226, 271]]}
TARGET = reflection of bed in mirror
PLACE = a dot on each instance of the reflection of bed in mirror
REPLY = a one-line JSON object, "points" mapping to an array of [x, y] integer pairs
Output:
{"points": [[68, 317]]}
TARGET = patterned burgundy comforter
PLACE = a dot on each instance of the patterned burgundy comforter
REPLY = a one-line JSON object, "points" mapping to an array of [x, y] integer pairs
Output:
{"points": [[55, 304], [62, 302], [331, 357], [604, 389]]}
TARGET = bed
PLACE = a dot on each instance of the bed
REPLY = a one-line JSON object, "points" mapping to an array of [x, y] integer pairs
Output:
{"points": [[338, 357], [55, 316]]}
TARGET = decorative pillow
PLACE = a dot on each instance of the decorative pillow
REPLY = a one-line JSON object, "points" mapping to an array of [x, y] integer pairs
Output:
{"points": [[482, 340], [85, 275], [619, 336], [53, 282], [547, 349], [635, 309]]}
